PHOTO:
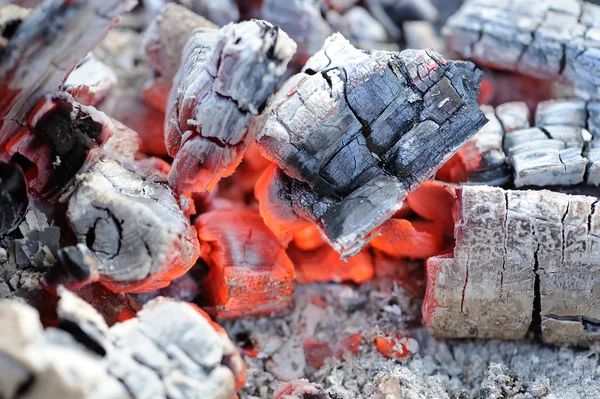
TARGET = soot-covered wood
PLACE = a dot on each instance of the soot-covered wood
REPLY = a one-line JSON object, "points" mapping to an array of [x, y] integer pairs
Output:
{"points": [[356, 131], [225, 78]]}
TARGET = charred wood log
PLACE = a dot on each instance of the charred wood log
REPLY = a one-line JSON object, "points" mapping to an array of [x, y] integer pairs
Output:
{"points": [[521, 257], [356, 131], [547, 40], [135, 226], [231, 73], [42, 51], [170, 349]]}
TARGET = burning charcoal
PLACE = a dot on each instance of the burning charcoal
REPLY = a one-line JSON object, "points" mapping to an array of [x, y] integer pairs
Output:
{"points": [[408, 274], [317, 352], [393, 13], [481, 160], [78, 267], [163, 43], [546, 40], [13, 197], [302, 20], [358, 126], [324, 264], [301, 389], [91, 81], [249, 271], [61, 139], [135, 226], [228, 73], [411, 239], [139, 358], [518, 254], [396, 347], [513, 116], [43, 50], [434, 201]]}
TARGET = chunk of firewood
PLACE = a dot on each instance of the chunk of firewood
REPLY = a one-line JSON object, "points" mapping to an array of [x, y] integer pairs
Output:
{"points": [[520, 256], [60, 138], [45, 47], [163, 42], [303, 22], [135, 226], [356, 131], [171, 349], [13, 197], [91, 81], [225, 79], [250, 273], [547, 40]]}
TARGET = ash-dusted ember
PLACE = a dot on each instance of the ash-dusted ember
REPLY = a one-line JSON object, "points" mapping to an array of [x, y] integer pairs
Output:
{"points": [[434, 201], [519, 256], [171, 349], [395, 346], [250, 273], [318, 352], [13, 197], [134, 224], [45, 47], [554, 40], [356, 131], [225, 78], [91, 81], [301, 389], [60, 139], [416, 239]]}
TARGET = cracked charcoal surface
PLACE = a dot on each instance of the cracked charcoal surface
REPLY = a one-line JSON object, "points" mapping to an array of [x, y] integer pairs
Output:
{"points": [[44, 49], [229, 73], [553, 40], [435, 370], [134, 224], [517, 254], [359, 130], [168, 350]]}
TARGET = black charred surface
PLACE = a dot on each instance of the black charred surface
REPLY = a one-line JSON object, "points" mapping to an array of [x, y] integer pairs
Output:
{"points": [[13, 197]]}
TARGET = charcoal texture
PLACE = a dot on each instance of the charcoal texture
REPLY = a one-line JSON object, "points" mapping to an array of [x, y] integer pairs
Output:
{"points": [[13, 197], [44, 49], [225, 78], [169, 350], [359, 130], [553, 40], [91, 81], [520, 256]]}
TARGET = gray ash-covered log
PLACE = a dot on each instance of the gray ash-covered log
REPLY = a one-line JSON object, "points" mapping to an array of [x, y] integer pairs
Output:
{"points": [[553, 40], [44, 48], [356, 131], [522, 259], [225, 79], [171, 349]]}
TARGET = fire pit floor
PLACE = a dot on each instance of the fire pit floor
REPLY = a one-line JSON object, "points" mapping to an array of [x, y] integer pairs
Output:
{"points": [[277, 349]]}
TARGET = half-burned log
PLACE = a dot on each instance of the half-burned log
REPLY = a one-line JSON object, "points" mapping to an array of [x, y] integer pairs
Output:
{"points": [[91, 81], [249, 272], [60, 139], [46, 46], [547, 40], [163, 43], [225, 79], [518, 254], [357, 131], [302, 20], [135, 226], [170, 350], [13, 197]]}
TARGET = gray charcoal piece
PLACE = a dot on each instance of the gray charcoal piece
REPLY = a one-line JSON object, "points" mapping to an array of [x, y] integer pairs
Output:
{"points": [[225, 78], [134, 224], [45, 47], [518, 253], [302, 21], [169, 350], [91, 81], [362, 129], [552, 40]]}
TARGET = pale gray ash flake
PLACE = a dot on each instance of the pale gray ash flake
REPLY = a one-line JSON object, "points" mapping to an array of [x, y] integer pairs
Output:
{"points": [[362, 129], [553, 40]]}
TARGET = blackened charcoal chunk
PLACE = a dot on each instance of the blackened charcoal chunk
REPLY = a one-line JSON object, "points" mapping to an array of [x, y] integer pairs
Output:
{"points": [[225, 79], [355, 125], [135, 226], [77, 266], [13, 197]]}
